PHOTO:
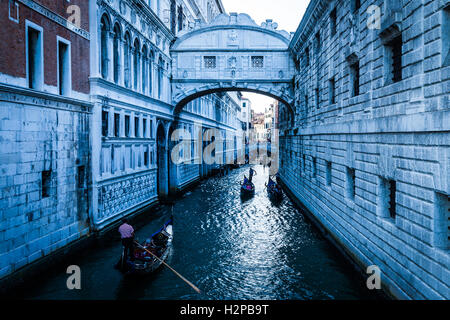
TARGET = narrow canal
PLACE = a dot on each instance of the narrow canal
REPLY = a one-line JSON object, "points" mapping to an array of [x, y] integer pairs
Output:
{"points": [[229, 248]]}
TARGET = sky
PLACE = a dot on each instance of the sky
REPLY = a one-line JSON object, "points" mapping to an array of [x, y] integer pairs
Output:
{"points": [[287, 13]]}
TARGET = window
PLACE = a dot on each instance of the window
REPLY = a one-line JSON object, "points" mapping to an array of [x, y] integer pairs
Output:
{"points": [[306, 103], [104, 30], [307, 56], [136, 127], [441, 236], [113, 162], [317, 98], [64, 76], [105, 117], [387, 198], [180, 18], [328, 173], [354, 79], [350, 184], [258, 62], [304, 163], [144, 128], [46, 181], [117, 125], [146, 153], [318, 43], [333, 22], [314, 167], [332, 91], [35, 67], [151, 128], [210, 62], [356, 4], [394, 60], [127, 126]]}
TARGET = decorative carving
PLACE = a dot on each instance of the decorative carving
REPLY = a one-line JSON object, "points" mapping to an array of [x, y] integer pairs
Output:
{"points": [[233, 38], [133, 17], [123, 7], [117, 197]]}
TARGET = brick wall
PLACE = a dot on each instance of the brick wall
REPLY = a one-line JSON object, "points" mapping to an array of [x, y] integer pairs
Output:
{"points": [[13, 43], [390, 131]]}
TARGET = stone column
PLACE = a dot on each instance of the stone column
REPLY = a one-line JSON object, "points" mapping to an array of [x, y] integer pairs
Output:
{"points": [[121, 62], [110, 50]]}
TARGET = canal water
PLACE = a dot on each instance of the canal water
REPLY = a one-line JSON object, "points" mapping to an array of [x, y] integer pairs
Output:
{"points": [[229, 248]]}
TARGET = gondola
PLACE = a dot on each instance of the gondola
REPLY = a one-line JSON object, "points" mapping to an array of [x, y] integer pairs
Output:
{"points": [[247, 189], [274, 190], [144, 263]]}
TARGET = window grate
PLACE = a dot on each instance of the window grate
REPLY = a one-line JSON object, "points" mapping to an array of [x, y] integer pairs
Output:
{"points": [[392, 196], [258, 62], [210, 62], [396, 52], [355, 74]]}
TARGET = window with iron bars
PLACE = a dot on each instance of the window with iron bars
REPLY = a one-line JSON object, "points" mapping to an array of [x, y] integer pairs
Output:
{"points": [[210, 62], [258, 62]]}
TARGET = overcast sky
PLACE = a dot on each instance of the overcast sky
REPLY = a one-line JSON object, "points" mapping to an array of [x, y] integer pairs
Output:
{"points": [[287, 13]]}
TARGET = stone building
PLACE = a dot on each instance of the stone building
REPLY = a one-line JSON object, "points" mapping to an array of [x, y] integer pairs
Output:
{"points": [[134, 118], [371, 136], [45, 117]]}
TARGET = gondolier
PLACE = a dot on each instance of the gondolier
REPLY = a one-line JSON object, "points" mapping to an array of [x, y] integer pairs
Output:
{"points": [[251, 173], [127, 234]]}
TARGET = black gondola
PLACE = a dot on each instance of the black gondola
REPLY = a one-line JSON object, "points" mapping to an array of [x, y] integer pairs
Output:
{"points": [[160, 244], [274, 190], [247, 189]]}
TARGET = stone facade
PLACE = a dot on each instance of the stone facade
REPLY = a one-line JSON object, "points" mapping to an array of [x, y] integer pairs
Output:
{"points": [[369, 153], [45, 119]]}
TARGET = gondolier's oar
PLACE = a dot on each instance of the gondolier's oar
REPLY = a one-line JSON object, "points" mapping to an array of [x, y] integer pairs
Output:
{"points": [[179, 275]]}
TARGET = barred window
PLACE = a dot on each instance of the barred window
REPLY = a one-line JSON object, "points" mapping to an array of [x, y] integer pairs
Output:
{"points": [[258, 62], [210, 62]]}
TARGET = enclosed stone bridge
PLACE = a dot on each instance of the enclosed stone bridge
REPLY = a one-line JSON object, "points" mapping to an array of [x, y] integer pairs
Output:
{"points": [[232, 53]]}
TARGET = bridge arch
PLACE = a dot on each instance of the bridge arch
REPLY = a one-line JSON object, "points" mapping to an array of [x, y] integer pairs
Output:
{"points": [[232, 53]]}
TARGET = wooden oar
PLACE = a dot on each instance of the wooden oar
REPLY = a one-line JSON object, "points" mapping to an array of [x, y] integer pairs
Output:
{"points": [[173, 270]]}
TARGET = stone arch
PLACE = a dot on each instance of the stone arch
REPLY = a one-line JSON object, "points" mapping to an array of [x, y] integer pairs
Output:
{"points": [[191, 94]]}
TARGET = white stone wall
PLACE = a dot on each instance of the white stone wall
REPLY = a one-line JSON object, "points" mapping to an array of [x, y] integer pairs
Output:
{"points": [[41, 132], [392, 131]]}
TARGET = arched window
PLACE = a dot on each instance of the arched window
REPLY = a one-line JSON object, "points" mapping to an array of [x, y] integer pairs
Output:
{"points": [[127, 60], [144, 69], [116, 54], [105, 28], [160, 76], [136, 50]]}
